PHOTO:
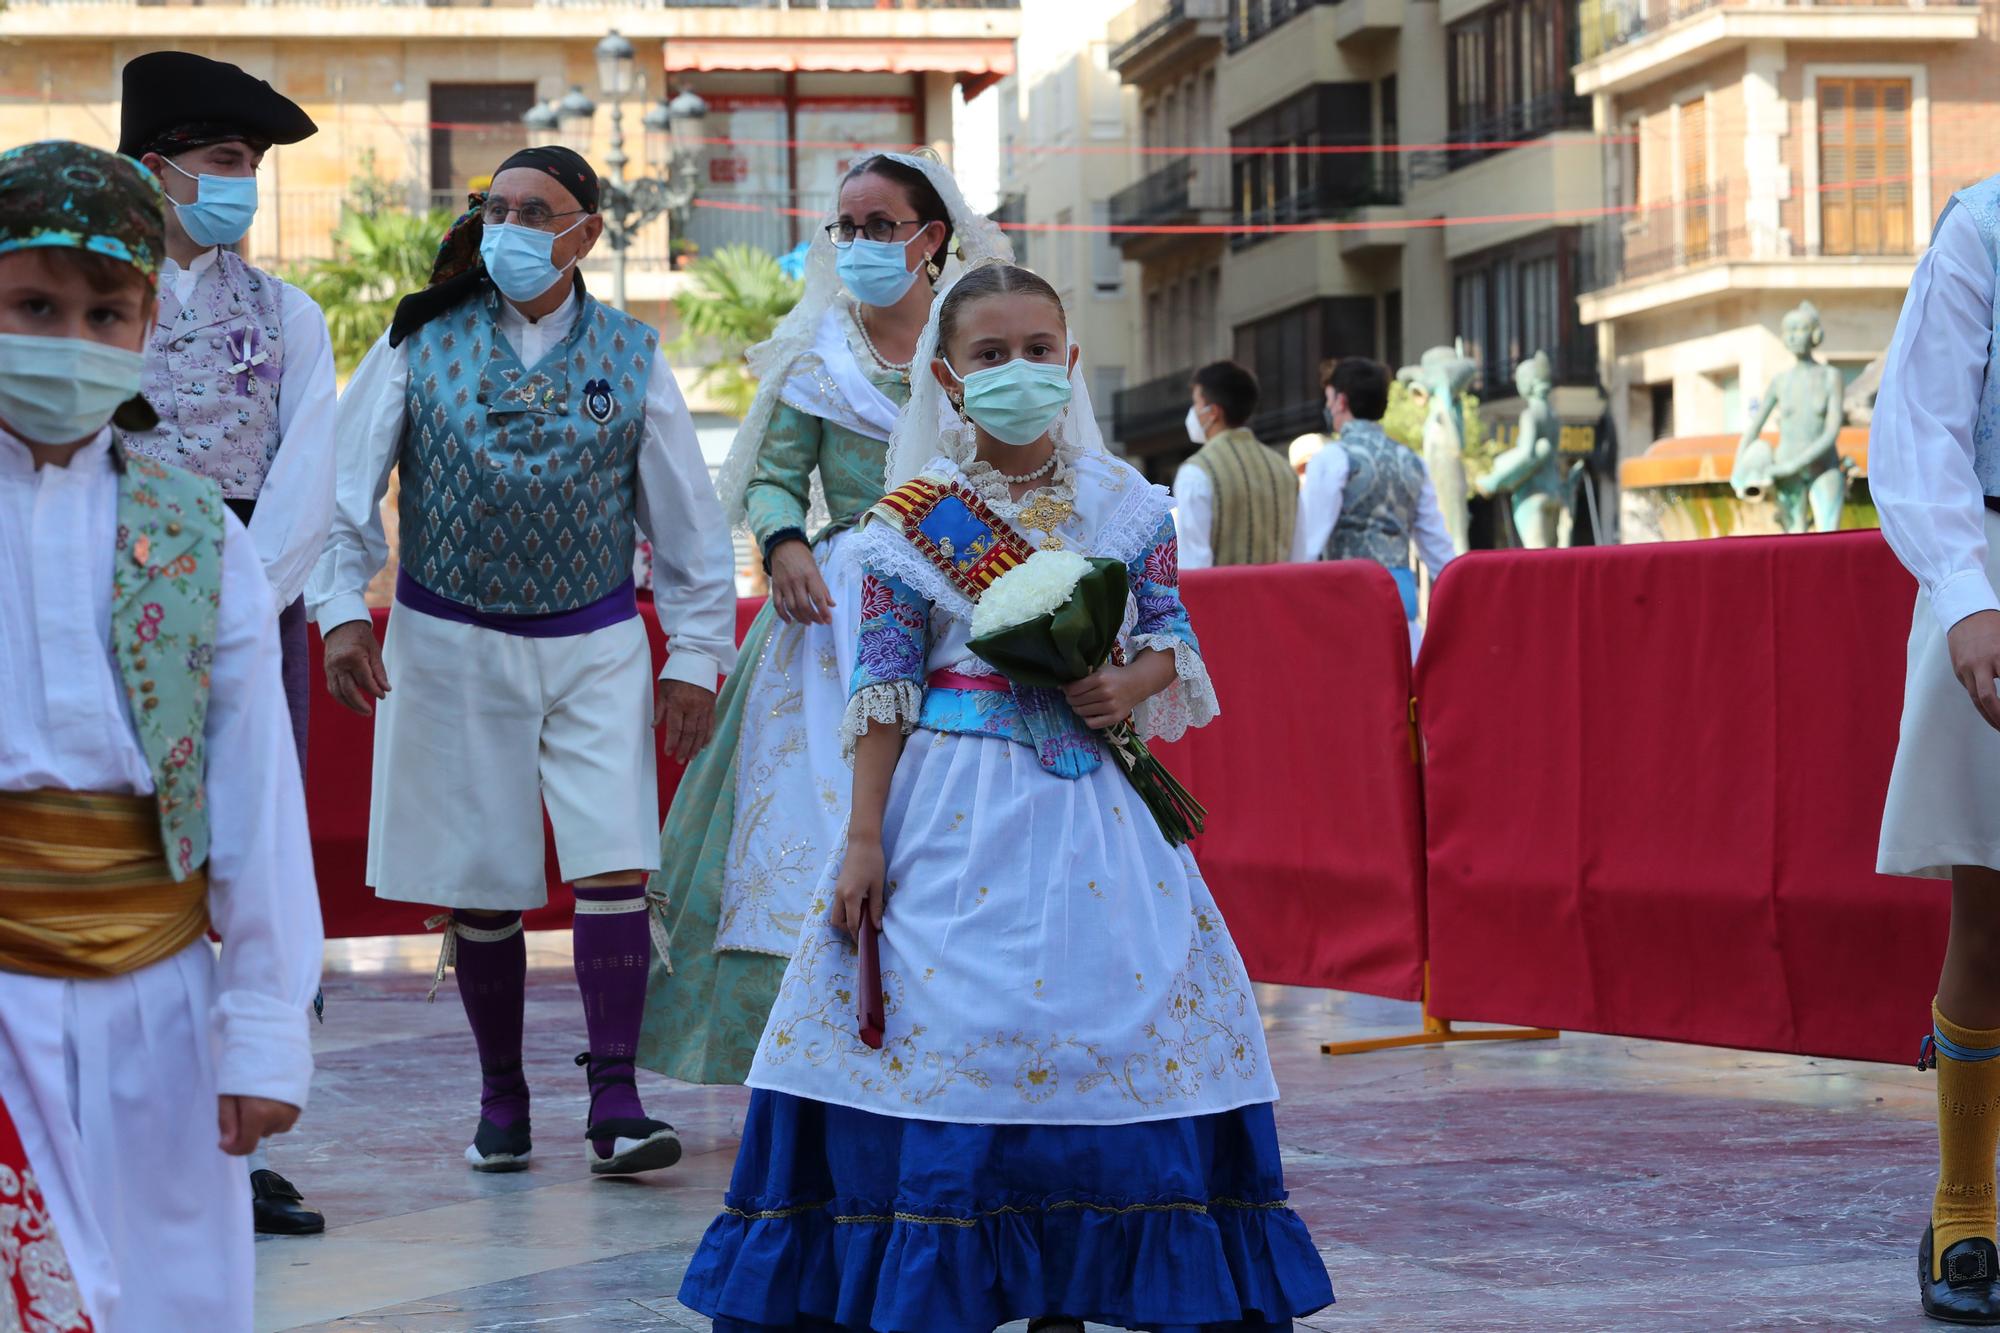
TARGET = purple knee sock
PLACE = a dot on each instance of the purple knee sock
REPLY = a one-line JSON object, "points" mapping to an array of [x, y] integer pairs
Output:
{"points": [[614, 949], [492, 982]]}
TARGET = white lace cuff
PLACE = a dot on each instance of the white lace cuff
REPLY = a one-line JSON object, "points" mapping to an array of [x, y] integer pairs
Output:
{"points": [[898, 701], [1188, 702]]}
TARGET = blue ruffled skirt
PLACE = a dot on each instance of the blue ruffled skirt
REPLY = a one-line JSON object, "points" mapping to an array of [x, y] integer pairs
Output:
{"points": [[838, 1219]]}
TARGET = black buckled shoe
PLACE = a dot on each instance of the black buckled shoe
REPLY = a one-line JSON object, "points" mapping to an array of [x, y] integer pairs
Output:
{"points": [[1969, 1291], [496, 1149], [278, 1209]]}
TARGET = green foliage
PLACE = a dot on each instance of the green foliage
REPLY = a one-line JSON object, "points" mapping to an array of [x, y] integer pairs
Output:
{"points": [[1404, 423], [380, 256], [734, 298]]}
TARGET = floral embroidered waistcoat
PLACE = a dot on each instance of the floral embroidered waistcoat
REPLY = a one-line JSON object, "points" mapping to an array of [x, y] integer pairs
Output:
{"points": [[519, 485], [1256, 499], [1982, 201], [166, 591], [212, 373], [1379, 505]]}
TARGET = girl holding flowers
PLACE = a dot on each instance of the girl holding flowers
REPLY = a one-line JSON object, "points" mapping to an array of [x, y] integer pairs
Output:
{"points": [[1069, 1115]]}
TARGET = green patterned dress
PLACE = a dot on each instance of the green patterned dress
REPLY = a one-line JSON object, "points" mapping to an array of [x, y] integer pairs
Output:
{"points": [[762, 808]]}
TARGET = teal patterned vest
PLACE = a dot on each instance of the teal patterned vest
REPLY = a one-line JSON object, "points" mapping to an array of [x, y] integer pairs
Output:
{"points": [[519, 485], [1982, 201], [1379, 507], [166, 589]]}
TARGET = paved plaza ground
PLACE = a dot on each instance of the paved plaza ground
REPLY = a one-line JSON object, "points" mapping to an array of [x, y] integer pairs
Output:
{"points": [[1590, 1183]]}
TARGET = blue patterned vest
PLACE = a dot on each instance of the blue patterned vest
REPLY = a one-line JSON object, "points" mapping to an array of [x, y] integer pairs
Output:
{"points": [[1982, 201], [520, 485], [1379, 506]]}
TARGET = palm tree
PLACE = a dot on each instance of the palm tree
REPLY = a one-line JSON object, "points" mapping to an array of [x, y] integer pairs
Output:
{"points": [[380, 256], [734, 298]]}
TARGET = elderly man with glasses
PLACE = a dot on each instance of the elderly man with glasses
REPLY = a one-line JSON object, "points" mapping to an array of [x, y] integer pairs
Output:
{"points": [[536, 433]]}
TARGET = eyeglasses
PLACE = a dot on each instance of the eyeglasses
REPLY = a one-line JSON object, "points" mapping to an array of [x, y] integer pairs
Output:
{"points": [[875, 229], [534, 213]]}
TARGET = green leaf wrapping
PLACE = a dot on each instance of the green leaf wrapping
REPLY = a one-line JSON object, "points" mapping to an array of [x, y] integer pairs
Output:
{"points": [[1071, 642]]}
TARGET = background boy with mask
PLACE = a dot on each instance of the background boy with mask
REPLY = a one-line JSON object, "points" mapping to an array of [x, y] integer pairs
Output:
{"points": [[1235, 501], [239, 369], [520, 670], [149, 789]]}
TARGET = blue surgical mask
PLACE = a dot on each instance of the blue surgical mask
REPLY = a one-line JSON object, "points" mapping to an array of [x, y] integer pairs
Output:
{"points": [[876, 272], [61, 390], [222, 210], [1018, 402], [520, 259]]}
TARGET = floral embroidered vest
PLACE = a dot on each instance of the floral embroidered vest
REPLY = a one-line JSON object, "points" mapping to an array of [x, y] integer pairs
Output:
{"points": [[166, 590], [1982, 201], [1379, 505], [212, 373], [520, 486], [1256, 499]]}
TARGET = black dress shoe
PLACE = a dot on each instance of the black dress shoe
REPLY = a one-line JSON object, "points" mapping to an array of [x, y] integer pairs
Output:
{"points": [[1969, 1291], [279, 1209]]}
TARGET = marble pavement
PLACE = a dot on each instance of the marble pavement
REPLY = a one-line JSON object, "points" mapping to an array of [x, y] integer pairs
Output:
{"points": [[1590, 1183]]}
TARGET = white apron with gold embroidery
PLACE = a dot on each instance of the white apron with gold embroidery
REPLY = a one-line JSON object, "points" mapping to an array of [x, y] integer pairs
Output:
{"points": [[1047, 957]]}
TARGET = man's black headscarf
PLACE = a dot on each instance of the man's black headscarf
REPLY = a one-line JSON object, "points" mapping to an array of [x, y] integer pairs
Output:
{"points": [[457, 272]]}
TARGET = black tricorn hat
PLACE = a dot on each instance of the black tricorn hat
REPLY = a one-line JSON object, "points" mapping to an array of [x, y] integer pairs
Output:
{"points": [[175, 101]]}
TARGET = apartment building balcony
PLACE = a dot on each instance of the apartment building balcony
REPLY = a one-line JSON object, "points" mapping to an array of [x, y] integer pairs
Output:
{"points": [[1365, 194], [1478, 140], [1150, 418], [1702, 250], [1353, 20], [910, 35], [1191, 190], [1153, 37], [1012, 211], [1628, 44]]}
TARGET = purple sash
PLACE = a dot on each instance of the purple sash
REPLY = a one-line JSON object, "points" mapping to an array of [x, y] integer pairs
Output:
{"points": [[618, 605]]}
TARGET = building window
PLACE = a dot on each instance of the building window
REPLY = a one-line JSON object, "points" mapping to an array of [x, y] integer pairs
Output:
{"points": [[1392, 329], [1284, 352], [1696, 202], [1107, 261], [1295, 183], [1516, 300], [1864, 166], [1507, 77], [476, 127]]}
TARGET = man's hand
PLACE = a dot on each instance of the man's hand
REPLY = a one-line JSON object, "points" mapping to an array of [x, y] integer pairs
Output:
{"points": [[1108, 695], [354, 672], [688, 713], [1975, 659], [858, 891], [798, 591], [246, 1121]]}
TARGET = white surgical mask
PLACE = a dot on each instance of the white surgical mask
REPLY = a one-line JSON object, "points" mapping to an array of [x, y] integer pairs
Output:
{"points": [[61, 390], [1194, 427]]}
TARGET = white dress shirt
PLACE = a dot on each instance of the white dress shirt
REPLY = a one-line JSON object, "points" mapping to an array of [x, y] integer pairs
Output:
{"points": [[295, 503], [694, 561], [1920, 453], [1322, 493], [65, 724], [1194, 517]]}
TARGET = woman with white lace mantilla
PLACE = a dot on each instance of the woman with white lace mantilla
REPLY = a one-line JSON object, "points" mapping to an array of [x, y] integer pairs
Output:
{"points": [[760, 811], [1064, 1110]]}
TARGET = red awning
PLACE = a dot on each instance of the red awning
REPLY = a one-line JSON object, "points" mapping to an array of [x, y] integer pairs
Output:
{"points": [[977, 62]]}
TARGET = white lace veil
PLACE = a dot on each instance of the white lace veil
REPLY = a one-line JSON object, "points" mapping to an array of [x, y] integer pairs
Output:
{"points": [[975, 237], [919, 437]]}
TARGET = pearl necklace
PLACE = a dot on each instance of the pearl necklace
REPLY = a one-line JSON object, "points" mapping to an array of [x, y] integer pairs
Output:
{"points": [[861, 322], [1012, 479]]}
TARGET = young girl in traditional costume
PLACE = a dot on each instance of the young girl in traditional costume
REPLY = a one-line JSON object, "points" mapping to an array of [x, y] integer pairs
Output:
{"points": [[759, 812], [1070, 1115]]}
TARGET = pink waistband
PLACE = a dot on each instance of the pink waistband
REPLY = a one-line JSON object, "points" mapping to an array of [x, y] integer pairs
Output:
{"points": [[958, 680]]}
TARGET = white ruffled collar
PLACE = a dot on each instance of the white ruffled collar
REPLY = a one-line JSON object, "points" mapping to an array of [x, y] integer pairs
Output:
{"points": [[991, 484]]}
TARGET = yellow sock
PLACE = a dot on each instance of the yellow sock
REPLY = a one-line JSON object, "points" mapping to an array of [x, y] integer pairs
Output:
{"points": [[1968, 1131]]}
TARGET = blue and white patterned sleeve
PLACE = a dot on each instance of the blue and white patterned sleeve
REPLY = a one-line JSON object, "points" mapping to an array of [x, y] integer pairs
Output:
{"points": [[1163, 624], [890, 656]]}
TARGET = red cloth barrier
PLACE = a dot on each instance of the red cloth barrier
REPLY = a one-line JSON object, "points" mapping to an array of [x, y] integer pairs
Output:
{"points": [[1314, 846], [1315, 849], [1654, 780]]}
